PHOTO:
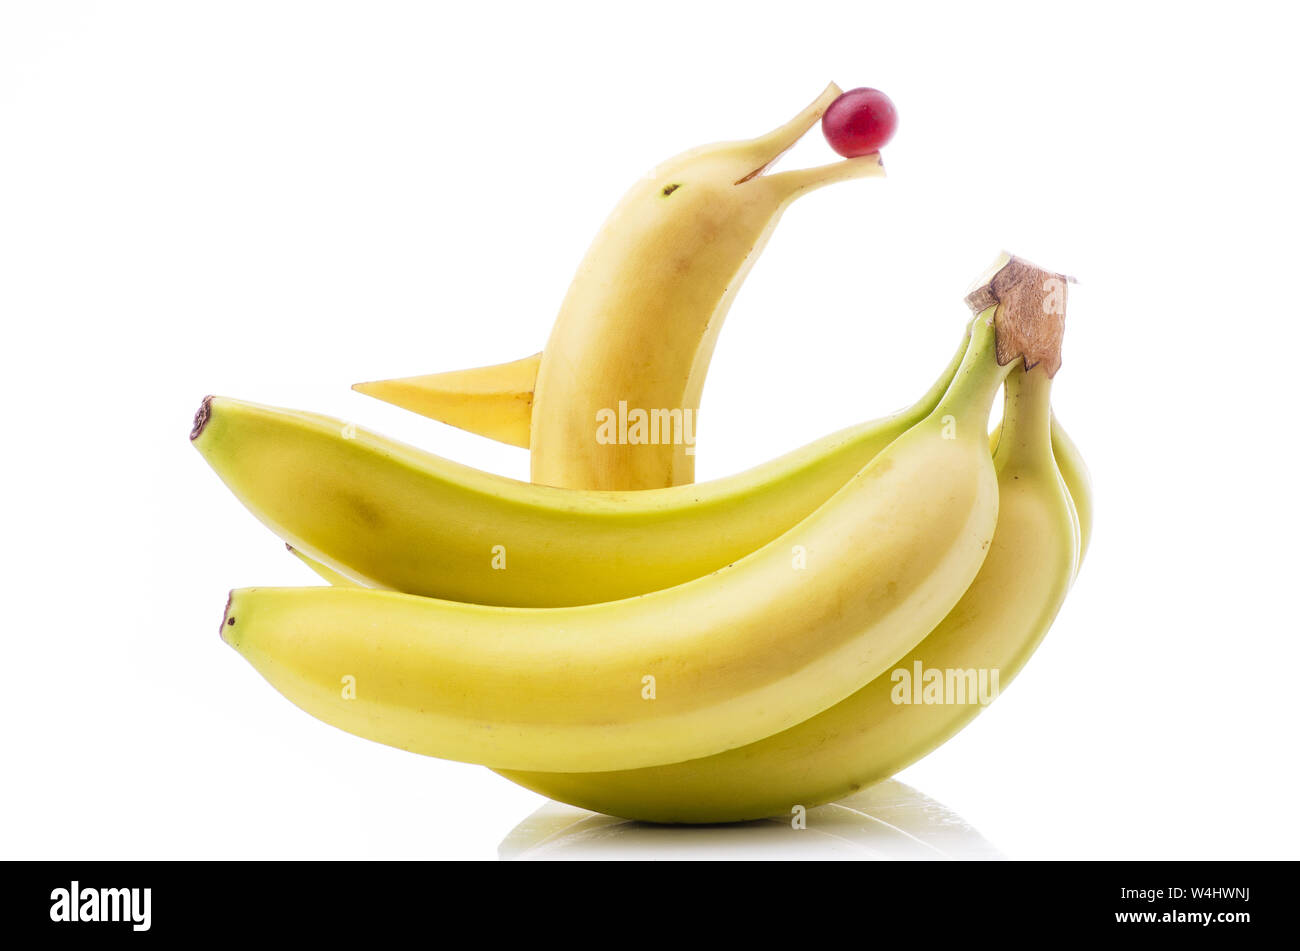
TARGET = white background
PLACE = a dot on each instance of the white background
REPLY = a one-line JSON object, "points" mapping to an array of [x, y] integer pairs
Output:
{"points": [[274, 200]]}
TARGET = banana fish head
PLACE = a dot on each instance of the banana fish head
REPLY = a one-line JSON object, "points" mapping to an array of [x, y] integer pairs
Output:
{"points": [[732, 176]]}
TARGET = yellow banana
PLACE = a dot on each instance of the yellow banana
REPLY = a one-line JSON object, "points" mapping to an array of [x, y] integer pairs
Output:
{"points": [[891, 722], [1073, 469], [636, 330], [391, 516], [1074, 472], [753, 649], [1077, 479]]}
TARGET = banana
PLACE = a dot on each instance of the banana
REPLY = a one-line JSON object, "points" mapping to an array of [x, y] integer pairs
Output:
{"points": [[683, 673], [1069, 461], [637, 327], [391, 516], [871, 735], [1075, 473]]}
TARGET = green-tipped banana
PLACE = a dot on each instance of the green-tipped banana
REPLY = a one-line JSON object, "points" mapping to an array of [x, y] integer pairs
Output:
{"points": [[1073, 469], [391, 516]]}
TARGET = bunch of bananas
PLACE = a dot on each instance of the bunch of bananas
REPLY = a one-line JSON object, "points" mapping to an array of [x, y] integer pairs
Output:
{"points": [[618, 638]]}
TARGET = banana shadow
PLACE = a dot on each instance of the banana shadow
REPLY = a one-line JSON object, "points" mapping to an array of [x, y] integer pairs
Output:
{"points": [[889, 821]]}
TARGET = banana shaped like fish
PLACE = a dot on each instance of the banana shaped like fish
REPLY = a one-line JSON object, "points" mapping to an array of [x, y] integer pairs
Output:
{"points": [[639, 323]]}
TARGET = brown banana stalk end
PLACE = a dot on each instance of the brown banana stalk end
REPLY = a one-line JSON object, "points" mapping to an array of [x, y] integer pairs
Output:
{"points": [[1030, 315]]}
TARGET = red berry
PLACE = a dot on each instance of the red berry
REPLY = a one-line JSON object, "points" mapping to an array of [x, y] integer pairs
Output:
{"points": [[859, 122]]}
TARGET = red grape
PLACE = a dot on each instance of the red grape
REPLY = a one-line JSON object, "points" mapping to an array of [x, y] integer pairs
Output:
{"points": [[859, 122]]}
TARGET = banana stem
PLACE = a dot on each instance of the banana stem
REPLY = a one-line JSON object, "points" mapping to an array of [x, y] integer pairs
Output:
{"points": [[940, 386], [1026, 438], [971, 393], [1029, 312]]}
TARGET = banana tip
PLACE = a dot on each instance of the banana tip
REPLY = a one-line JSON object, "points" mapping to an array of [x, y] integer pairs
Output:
{"points": [[227, 619], [201, 418]]}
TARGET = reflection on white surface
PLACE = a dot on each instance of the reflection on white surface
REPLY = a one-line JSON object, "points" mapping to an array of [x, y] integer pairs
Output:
{"points": [[888, 821]]}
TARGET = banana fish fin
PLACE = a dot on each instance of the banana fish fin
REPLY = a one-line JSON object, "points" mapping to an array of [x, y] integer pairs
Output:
{"points": [[495, 401]]}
